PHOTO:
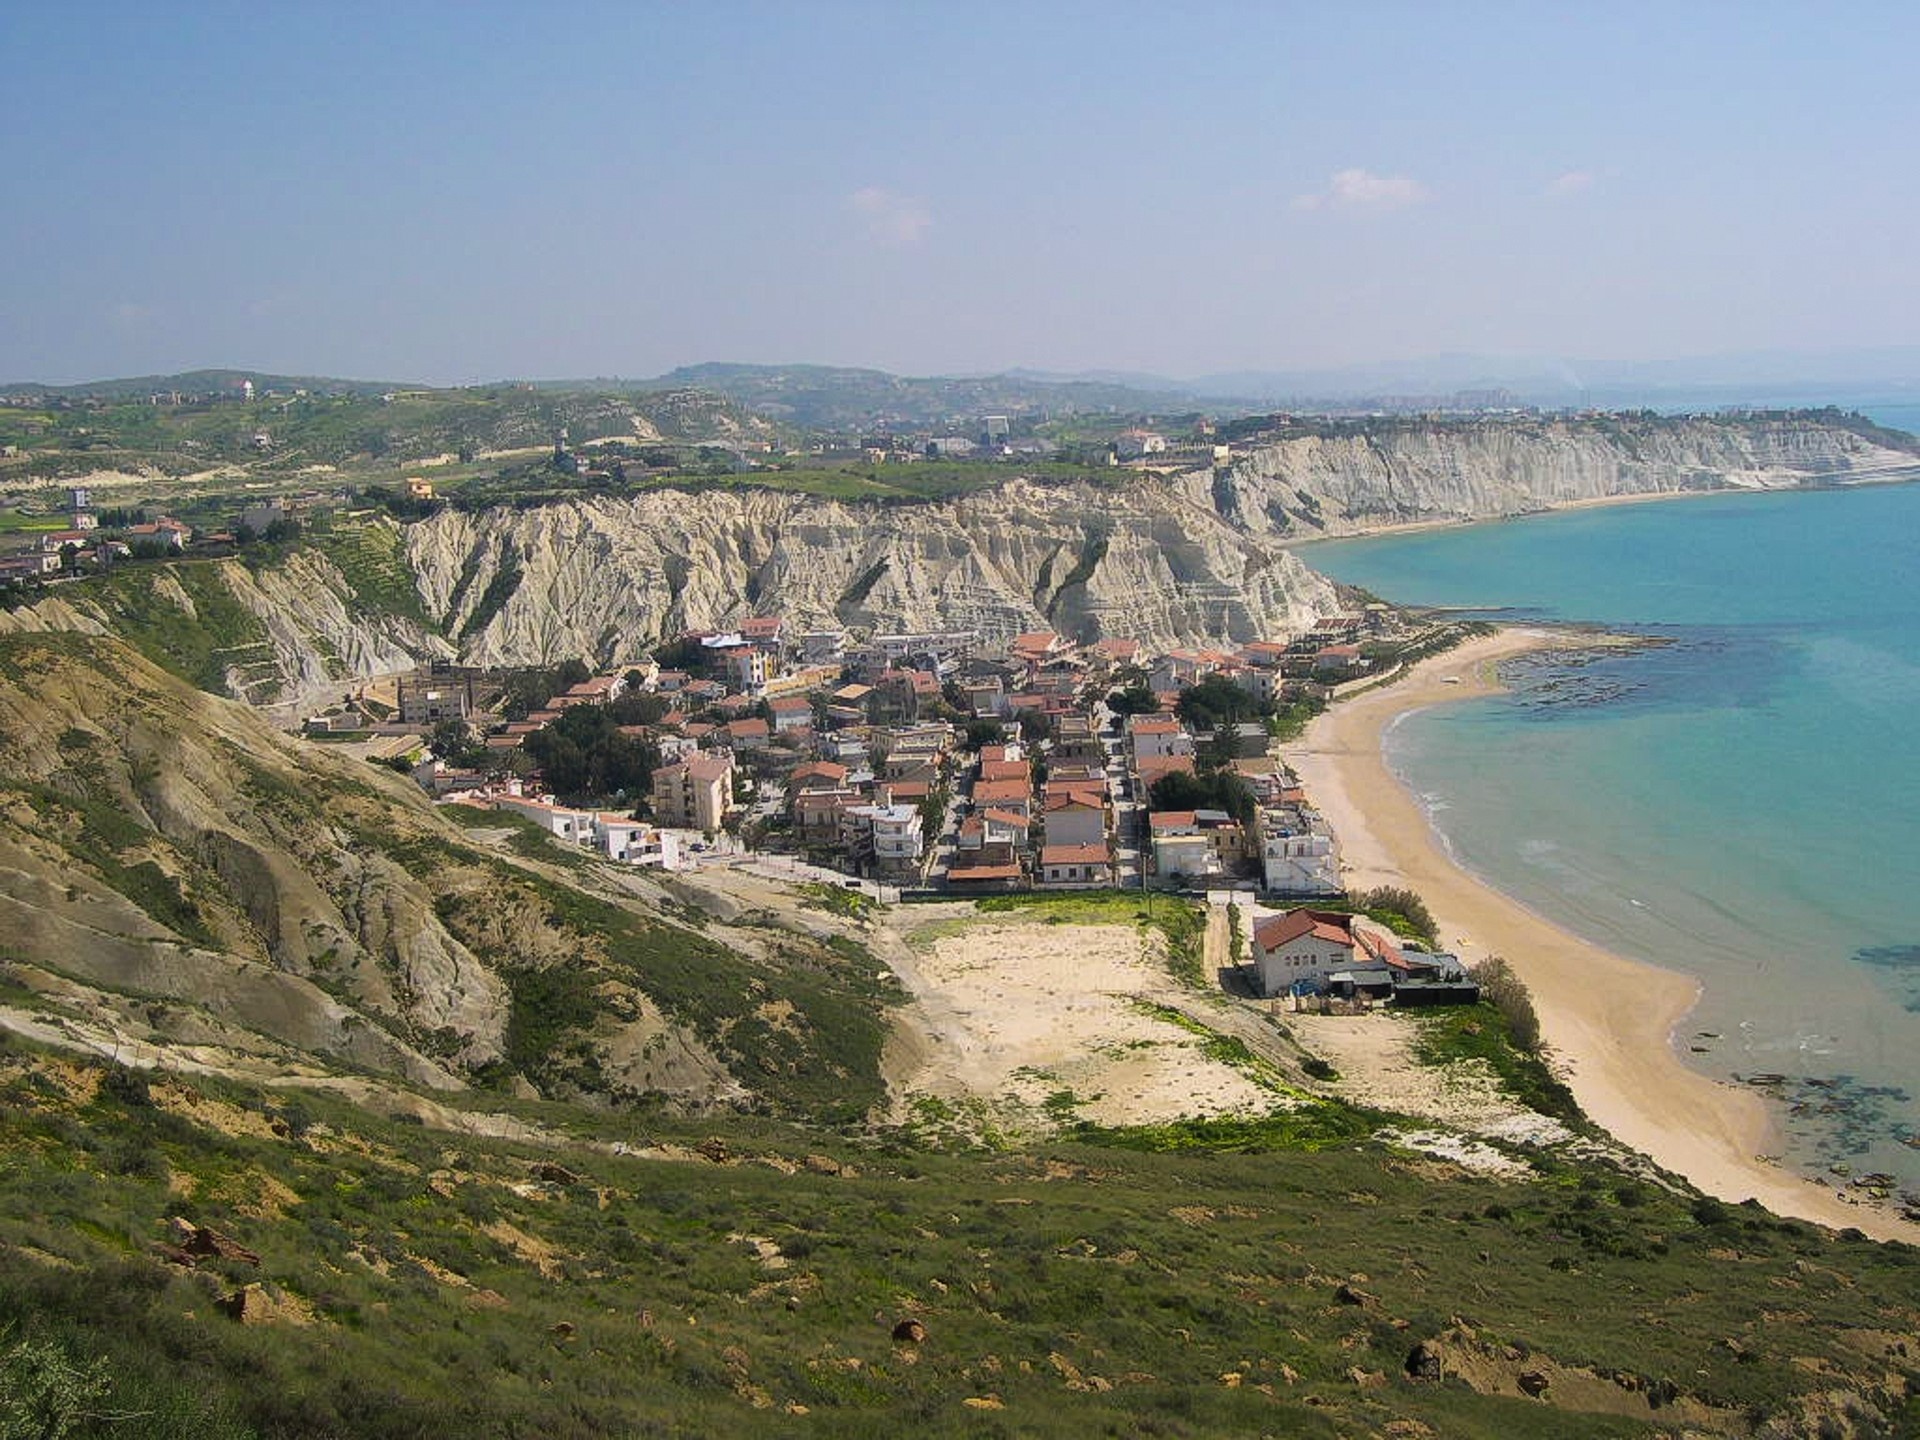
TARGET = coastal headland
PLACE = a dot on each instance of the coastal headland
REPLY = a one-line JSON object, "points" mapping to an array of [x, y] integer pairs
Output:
{"points": [[1608, 1020]]}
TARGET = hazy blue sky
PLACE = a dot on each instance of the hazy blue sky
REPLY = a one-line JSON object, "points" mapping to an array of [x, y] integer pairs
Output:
{"points": [[453, 192]]}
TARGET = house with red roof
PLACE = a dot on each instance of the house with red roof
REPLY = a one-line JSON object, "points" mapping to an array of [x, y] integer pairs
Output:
{"points": [[1074, 818], [1153, 737], [790, 713], [763, 631], [750, 734], [1303, 949], [1074, 866], [817, 775], [1013, 795]]}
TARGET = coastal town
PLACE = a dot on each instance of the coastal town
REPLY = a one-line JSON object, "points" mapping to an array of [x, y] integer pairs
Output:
{"points": [[936, 766]]}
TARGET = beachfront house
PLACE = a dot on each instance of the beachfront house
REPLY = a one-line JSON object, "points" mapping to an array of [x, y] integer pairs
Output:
{"points": [[1299, 951]]}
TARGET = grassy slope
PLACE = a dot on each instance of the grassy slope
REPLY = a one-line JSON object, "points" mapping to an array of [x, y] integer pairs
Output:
{"points": [[799, 1022], [332, 429], [455, 1286]]}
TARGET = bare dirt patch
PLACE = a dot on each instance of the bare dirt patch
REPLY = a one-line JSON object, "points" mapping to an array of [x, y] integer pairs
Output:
{"points": [[1039, 1019], [1374, 1055]]}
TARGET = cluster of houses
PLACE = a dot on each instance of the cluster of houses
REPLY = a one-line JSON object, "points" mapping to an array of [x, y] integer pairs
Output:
{"points": [[856, 754], [84, 542]]}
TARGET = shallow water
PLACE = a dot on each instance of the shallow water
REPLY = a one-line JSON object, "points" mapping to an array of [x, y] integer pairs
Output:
{"points": [[1740, 802]]}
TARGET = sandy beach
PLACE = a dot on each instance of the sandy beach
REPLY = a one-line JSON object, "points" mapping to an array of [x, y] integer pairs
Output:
{"points": [[1609, 1020]]}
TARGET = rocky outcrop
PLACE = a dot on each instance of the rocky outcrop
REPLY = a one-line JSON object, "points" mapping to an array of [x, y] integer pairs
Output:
{"points": [[1342, 480], [180, 878], [320, 630], [608, 578], [1179, 557], [1192, 557], [285, 634], [156, 839]]}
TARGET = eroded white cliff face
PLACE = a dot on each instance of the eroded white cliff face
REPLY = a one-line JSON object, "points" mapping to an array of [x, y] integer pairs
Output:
{"points": [[1460, 471], [608, 578], [1193, 558], [1189, 558]]}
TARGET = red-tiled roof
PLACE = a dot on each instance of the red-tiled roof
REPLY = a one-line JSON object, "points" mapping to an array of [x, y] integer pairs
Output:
{"points": [[1153, 767], [1321, 924], [975, 874], [1072, 800], [988, 791], [1074, 855]]}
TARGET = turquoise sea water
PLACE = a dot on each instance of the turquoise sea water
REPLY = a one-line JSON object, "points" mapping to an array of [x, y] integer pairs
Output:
{"points": [[1740, 802]]}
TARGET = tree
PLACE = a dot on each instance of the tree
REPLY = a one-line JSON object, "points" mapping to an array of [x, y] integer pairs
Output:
{"points": [[1216, 701], [685, 653], [1134, 700], [1218, 790], [583, 754], [1508, 994], [985, 731], [1400, 910], [933, 814], [453, 741], [640, 707]]}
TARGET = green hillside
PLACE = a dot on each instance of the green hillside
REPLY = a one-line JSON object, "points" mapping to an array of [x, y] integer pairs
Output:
{"points": [[732, 1277], [325, 1112], [287, 431]]}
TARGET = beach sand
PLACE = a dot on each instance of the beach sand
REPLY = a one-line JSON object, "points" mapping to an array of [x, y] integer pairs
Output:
{"points": [[1608, 1020]]}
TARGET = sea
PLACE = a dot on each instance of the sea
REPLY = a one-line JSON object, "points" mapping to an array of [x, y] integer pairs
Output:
{"points": [[1737, 799]]}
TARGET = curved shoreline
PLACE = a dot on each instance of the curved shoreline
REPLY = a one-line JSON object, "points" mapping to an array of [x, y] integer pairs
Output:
{"points": [[1609, 1020]]}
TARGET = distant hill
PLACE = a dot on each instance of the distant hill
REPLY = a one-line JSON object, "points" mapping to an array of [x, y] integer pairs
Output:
{"points": [[832, 398], [90, 428], [204, 382]]}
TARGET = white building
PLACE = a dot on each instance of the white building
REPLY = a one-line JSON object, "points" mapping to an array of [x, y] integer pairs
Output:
{"points": [[558, 820], [635, 842], [1304, 947], [889, 835], [1157, 737], [1297, 854]]}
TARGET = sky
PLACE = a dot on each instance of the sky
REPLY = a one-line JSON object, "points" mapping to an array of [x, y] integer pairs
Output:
{"points": [[454, 193]]}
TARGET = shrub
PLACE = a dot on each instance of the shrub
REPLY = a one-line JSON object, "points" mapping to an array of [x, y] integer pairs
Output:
{"points": [[1401, 911], [45, 1393], [1508, 994]]}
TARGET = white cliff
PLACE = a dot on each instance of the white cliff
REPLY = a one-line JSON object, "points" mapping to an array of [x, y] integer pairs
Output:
{"points": [[1183, 558], [607, 578], [1404, 472]]}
